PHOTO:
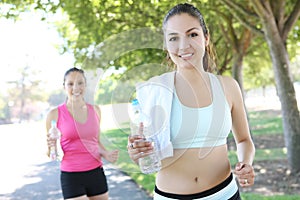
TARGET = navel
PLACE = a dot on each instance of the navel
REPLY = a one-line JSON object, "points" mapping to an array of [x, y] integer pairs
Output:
{"points": [[196, 179]]}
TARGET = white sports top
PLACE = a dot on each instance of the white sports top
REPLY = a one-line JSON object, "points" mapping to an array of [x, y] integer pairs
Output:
{"points": [[201, 127]]}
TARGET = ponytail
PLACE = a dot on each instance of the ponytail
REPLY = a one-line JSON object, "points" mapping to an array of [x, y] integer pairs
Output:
{"points": [[209, 59]]}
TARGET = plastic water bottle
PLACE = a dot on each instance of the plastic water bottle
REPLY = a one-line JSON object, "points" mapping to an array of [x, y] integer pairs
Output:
{"points": [[150, 163], [54, 134]]}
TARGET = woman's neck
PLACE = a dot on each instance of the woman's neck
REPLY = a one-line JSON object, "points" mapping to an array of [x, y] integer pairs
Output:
{"points": [[191, 75], [76, 104]]}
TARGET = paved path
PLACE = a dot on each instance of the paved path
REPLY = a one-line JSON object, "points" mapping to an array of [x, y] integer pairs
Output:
{"points": [[27, 174]]}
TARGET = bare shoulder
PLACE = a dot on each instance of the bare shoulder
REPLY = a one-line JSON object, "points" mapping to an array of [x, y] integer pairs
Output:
{"points": [[230, 85], [98, 110], [232, 90], [52, 114]]}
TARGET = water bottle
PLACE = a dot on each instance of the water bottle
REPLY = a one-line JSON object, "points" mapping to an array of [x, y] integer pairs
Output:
{"points": [[150, 163], [54, 134]]}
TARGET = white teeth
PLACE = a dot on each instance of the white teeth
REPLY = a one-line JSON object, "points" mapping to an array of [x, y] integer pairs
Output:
{"points": [[76, 94], [186, 55]]}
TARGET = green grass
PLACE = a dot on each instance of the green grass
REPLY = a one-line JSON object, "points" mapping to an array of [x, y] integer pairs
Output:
{"points": [[251, 196], [264, 122], [117, 139], [261, 123], [262, 154]]}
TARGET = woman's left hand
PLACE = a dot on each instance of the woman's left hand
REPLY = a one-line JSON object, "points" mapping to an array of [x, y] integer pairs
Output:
{"points": [[245, 174], [111, 156]]}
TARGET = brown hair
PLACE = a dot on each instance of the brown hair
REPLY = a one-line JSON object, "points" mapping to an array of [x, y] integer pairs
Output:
{"points": [[73, 69], [209, 56]]}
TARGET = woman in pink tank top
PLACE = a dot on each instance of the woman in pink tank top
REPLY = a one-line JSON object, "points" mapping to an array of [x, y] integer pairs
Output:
{"points": [[82, 175]]}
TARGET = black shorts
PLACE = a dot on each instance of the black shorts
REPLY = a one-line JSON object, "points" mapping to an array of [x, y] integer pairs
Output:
{"points": [[90, 183]]}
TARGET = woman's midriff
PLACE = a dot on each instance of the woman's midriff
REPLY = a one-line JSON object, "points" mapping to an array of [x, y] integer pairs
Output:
{"points": [[194, 170]]}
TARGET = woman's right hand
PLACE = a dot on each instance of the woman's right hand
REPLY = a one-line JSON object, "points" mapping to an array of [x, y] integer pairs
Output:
{"points": [[51, 141], [138, 147]]}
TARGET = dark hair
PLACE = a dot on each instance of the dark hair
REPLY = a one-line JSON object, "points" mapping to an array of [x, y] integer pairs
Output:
{"points": [[209, 57], [73, 69]]}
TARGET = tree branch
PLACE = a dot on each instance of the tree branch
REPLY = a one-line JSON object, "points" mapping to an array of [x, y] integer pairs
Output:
{"points": [[259, 8], [239, 8], [244, 22], [278, 12], [246, 40], [268, 8], [292, 19], [229, 35]]}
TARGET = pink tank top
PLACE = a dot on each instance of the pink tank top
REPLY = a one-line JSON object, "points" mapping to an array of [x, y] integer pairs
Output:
{"points": [[79, 141]]}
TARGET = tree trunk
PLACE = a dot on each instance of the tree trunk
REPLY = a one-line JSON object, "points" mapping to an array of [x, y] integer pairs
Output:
{"points": [[237, 73], [286, 93], [237, 70]]}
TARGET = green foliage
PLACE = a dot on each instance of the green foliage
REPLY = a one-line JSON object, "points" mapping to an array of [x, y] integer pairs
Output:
{"points": [[258, 70], [120, 88], [100, 20], [114, 91], [13, 8], [98, 27]]}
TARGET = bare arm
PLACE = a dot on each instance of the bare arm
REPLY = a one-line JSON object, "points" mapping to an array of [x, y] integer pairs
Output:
{"points": [[52, 115], [245, 147], [240, 127]]}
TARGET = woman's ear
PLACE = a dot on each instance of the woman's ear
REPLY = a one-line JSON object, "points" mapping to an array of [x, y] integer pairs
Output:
{"points": [[207, 40]]}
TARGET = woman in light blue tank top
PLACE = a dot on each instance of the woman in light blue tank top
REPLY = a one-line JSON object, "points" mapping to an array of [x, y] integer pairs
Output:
{"points": [[193, 111]]}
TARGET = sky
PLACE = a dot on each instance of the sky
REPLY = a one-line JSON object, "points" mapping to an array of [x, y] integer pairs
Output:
{"points": [[30, 41]]}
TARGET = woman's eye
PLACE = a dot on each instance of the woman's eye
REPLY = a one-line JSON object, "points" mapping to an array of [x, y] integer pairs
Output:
{"points": [[70, 84], [173, 39], [193, 35]]}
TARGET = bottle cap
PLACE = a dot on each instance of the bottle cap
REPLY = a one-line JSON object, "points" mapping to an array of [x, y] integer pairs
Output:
{"points": [[53, 123], [135, 102]]}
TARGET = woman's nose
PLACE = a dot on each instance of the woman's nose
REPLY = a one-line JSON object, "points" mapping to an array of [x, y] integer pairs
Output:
{"points": [[75, 86], [184, 43]]}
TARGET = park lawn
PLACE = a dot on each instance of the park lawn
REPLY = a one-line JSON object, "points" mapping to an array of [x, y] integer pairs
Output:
{"points": [[261, 123], [250, 196], [265, 122]]}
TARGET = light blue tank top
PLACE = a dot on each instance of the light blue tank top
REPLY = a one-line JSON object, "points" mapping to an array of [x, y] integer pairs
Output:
{"points": [[201, 127]]}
